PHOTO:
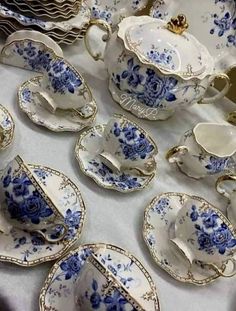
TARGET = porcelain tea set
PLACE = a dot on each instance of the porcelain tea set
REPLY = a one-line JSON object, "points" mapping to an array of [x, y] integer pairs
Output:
{"points": [[42, 210]]}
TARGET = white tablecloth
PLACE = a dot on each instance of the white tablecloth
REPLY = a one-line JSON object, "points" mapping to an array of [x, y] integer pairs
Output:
{"points": [[111, 217]]}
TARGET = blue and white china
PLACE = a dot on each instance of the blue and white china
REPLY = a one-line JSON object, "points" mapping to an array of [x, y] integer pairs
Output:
{"points": [[226, 186], [88, 151], [151, 78], [62, 86], [159, 228], [7, 128], [113, 11], [204, 234], [127, 146], [63, 282], [28, 204], [29, 49], [212, 22], [207, 149], [96, 279], [70, 120], [28, 249]]}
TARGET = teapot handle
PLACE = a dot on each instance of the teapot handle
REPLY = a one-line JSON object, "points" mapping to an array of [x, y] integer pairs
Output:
{"points": [[222, 93], [106, 27], [172, 154], [220, 188]]}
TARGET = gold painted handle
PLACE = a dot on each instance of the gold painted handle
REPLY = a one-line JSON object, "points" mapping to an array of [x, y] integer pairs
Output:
{"points": [[50, 240], [106, 27], [222, 93], [232, 118], [221, 180], [171, 155], [221, 271]]}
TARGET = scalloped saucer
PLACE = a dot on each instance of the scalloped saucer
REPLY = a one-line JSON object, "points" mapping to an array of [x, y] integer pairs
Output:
{"points": [[25, 249], [58, 292], [8, 126], [63, 120], [212, 22], [158, 228], [87, 150]]}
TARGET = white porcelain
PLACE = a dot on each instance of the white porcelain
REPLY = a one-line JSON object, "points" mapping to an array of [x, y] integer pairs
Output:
{"points": [[29, 50], [226, 186], [113, 11], [158, 230], [207, 149], [212, 22], [27, 204], [7, 128], [29, 248], [153, 79], [121, 264], [127, 146], [61, 120], [203, 233], [96, 279], [88, 151]]}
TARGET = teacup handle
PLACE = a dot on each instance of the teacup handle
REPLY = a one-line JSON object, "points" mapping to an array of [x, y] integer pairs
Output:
{"points": [[221, 271], [47, 236], [220, 189], [172, 154], [106, 27], [222, 93]]}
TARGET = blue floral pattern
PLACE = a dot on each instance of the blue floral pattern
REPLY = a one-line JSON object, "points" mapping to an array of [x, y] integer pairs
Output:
{"points": [[162, 58], [123, 180], [133, 144], [212, 234], [151, 89], [22, 203], [216, 164]]}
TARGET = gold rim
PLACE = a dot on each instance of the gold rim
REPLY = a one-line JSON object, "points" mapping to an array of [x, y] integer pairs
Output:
{"points": [[11, 131], [175, 150], [222, 179], [66, 244], [153, 295]]}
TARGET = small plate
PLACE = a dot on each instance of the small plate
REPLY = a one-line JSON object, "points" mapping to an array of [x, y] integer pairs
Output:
{"points": [[59, 289], [25, 249], [158, 229], [8, 125], [212, 22], [63, 120], [87, 150]]}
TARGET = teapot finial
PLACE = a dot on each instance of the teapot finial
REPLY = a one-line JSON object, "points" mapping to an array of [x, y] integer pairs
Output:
{"points": [[178, 24]]}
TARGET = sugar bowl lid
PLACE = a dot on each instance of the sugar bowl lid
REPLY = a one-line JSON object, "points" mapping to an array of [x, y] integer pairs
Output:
{"points": [[168, 47]]}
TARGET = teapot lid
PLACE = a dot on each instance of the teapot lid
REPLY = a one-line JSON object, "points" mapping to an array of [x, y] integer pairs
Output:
{"points": [[169, 47]]}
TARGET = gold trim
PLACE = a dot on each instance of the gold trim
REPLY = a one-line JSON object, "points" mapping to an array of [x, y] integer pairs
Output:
{"points": [[79, 146], [11, 131], [175, 150], [51, 274], [66, 244], [221, 179], [152, 251]]}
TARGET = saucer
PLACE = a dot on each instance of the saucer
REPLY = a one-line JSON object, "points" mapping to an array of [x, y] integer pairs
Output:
{"points": [[63, 120], [158, 228], [212, 22], [87, 150], [8, 125], [29, 249], [58, 292]]}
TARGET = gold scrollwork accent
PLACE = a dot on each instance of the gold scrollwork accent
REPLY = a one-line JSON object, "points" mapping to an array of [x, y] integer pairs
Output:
{"points": [[178, 24]]}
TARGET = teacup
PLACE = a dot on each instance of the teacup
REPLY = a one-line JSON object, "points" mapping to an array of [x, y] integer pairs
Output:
{"points": [[97, 288], [127, 146], [230, 193], [203, 234], [207, 149], [25, 203], [63, 87]]}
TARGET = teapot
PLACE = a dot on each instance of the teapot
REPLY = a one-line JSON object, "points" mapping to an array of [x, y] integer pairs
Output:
{"points": [[155, 68]]}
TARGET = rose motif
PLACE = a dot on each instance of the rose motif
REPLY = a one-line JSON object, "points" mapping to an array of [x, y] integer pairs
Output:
{"points": [[222, 239], [71, 266], [205, 241], [21, 185]]}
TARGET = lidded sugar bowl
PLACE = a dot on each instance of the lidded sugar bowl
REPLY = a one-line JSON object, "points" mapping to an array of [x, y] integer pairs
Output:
{"points": [[156, 68]]}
